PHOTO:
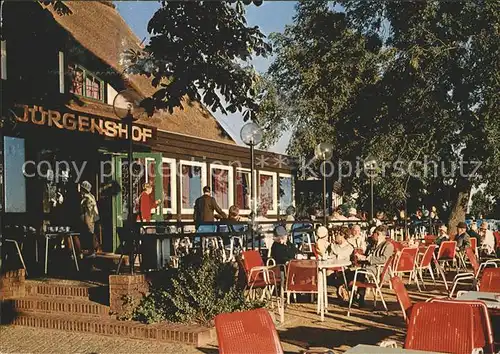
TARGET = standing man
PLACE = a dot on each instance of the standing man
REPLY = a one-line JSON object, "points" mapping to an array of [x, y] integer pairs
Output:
{"points": [[204, 208], [89, 215]]}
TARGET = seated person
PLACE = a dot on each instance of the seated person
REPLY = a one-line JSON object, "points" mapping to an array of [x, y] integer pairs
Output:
{"points": [[342, 250], [488, 240], [462, 238], [376, 256], [356, 239], [282, 249], [442, 236], [322, 244]]}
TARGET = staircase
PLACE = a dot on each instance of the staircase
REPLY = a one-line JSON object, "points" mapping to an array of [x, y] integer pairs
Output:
{"points": [[82, 307]]}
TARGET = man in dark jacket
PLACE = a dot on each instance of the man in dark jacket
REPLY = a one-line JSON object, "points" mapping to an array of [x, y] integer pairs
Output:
{"points": [[282, 250], [463, 238], [205, 206]]}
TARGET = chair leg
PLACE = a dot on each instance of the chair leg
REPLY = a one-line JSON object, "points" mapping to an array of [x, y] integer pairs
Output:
{"points": [[432, 275], [382, 299], [353, 290], [46, 253], [20, 256], [444, 278], [74, 252]]}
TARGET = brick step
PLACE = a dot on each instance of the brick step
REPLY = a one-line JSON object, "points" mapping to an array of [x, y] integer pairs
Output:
{"points": [[30, 304], [60, 288], [191, 335]]}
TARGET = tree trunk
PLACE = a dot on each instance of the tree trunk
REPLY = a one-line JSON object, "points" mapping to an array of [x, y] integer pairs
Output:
{"points": [[459, 206]]}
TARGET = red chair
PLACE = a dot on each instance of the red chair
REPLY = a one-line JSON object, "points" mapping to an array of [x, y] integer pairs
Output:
{"points": [[301, 277], [441, 327], [429, 239], [425, 264], [483, 329], [259, 275], [406, 262], [473, 245], [490, 280], [251, 332], [447, 253], [497, 237], [371, 282], [461, 277], [402, 296]]}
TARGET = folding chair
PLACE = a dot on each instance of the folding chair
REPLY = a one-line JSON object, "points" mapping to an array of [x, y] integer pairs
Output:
{"points": [[301, 277], [483, 329], [490, 280], [474, 276], [249, 332], [425, 264], [371, 282], [402, 296], [447, 252], [441, 327], [406, 262]]}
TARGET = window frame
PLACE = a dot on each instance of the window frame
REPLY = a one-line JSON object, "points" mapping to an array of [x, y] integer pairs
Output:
{"points": [[274, 211], [173, 184], [230, 183], [286, 175], [203, 166], [246, 170], [84, 83]]}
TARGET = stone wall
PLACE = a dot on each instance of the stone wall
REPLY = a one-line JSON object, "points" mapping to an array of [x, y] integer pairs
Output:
{"points": [[126, 291], [12, 284]]}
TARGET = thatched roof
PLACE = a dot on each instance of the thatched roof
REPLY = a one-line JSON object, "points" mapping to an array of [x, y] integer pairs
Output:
{"points": [[98, 27]]}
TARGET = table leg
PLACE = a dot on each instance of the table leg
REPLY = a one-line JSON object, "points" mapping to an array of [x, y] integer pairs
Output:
{"points": [[325, 286], [74, 252], [46, 253], [345, 279], [320, 292]]}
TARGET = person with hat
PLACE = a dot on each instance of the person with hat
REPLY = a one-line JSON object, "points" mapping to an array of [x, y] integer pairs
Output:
{"points": [[443, 236], [89, 215], [462, 238], [282, 250], [352, 214]]}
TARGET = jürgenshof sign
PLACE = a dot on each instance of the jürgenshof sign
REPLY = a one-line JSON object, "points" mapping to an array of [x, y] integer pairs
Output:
{"points": [[82, 122]]}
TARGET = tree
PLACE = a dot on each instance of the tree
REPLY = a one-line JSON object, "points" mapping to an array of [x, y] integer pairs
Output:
{"points": [[433, 93], [201, 49], [482, 204]]}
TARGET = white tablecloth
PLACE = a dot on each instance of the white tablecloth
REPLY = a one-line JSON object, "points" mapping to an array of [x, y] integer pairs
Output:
{"points": [[492, 300]]}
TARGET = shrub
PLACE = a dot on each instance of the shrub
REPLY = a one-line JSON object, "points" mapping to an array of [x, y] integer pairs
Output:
{"points": [[197, 291]]}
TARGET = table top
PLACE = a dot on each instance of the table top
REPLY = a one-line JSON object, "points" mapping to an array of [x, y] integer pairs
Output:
{"points": [[363, 348], [333, 263], [492, 300]]}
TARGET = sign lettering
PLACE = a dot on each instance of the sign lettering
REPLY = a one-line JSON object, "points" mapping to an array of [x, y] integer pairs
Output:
{"points": [[83, 123]]}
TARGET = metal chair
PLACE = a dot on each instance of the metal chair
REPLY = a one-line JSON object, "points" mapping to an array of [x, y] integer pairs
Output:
{"points": [[258, 275], [402, 296], [301, 277], [490, 280], [483, 329], [447, 253], [371, 282], [441, 327], [425, 264], [406, 263]]}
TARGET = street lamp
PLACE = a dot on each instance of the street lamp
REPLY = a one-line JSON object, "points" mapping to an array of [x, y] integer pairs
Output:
{"points": [[251, 135], [324, 152], [126, 106], [371, 167]]}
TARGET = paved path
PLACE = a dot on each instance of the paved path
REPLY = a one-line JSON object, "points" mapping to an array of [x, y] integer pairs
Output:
{"points": [[17, 339]]}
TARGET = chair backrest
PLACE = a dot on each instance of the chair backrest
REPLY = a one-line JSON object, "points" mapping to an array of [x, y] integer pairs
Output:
{"points": [[471, 255], [490, 280], [483, 330], [497, 237], [402, 295], [302, 275], [427, 257], [441, 327], [429, 239], [447, 250], [251, 258], [473, 243], [406, 260], [251, 332], [388, 264]]}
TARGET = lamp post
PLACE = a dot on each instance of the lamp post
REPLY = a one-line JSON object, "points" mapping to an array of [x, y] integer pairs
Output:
{"points": [[126, 106], [324, 152], [251, 135], [370, 168]]}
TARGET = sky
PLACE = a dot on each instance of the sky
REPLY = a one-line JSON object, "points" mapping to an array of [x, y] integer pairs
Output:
{"points": [[271, 16]]}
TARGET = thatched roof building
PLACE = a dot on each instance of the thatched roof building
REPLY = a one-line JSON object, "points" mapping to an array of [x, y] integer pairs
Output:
{"points": [[99, 28]]}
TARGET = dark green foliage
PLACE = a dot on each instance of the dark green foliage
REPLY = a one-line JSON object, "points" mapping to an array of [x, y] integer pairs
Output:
{"points": [[196, 292]]}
